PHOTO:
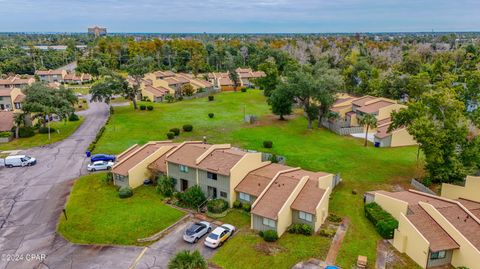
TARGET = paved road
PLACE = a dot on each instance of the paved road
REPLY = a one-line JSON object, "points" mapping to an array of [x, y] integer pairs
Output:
{"points": [[32, 199]]}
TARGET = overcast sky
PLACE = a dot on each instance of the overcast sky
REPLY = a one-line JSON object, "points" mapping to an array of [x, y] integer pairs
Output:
{"points": [[250, 16]]}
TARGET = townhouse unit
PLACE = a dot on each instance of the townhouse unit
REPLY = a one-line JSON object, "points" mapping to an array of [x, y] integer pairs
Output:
{"points": [[51, 75], [158, 84], [247, 77], [74, 78], [279, 195], [20, 82], [347, 111], [436, 230]]}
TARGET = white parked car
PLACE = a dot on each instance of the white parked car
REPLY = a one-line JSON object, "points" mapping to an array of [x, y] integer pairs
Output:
{"points": [[99, 165], [19, 160], [196, 231], [219, 235]]}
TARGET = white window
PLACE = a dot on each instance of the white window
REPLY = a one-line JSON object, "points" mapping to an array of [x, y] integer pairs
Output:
{"points": [[305, 216], [183, 168], [245, 197], [269, 222]]}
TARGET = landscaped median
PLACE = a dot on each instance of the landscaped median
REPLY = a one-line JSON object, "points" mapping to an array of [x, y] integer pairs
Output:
{"points": [[96, 214]]}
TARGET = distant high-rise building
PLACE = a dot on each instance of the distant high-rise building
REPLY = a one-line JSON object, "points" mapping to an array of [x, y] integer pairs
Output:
{"points": [[97, 31]]}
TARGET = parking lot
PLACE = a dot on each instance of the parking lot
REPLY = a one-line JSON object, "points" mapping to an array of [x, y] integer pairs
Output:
{"points": [[158, 254]]}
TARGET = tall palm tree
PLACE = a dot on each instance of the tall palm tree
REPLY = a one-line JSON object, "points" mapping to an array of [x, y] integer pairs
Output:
{"points": [[188, 260], [370, 121], [19, 120]]}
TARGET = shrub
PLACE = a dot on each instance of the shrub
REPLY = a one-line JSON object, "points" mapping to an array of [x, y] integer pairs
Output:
{"points": [[5, 134], [237, 204], [150, 108], [26, 132], [73, 117], [334, 218], [169, 98], [273, 158], [187, 127], [217, 206], [143, 107], [384, 223], [44, 130], [188, 259], [176, 131], [180, 98], [166, 186], [210, 115], [112, 110], [84, 101], [125, 192], [170, 135], [327, 232], [108, 178], [193, 197], [211, 98], [427, 182], [243, 89], [299, 228], [247, 207], [267, 144], [269, 235]]}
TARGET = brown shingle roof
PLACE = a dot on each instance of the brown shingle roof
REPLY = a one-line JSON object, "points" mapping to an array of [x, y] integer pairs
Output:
{"points": [[374, 107], [220, 161], [426, 225], [450, 209], [160, 164], [6, 121], [276, 195], [257, 180], [127, 153], [20, 98], [157, 91], [5, 92], [309, 197], [136, 157], [472, 206], [188, 153], [362, 100]]}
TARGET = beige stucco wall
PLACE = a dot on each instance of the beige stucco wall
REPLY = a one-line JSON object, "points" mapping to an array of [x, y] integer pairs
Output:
{"points": [[148, 94], [322, 209], [470, 191], [467, 255], [140, 172], [409, 240], [247, 163], [393, 206], [285, 214], [326, 182], [401, 137]]}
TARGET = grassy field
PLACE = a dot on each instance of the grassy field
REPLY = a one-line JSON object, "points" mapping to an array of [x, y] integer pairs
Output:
{"points": [[96, 215], [64, 131], [362, 168], [247, 250], [81, 105]]}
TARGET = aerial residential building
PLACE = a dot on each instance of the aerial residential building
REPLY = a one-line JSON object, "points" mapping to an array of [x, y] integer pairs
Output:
{"points": [[279, 195], [347, 111], [6, 121], [436, 230], [97, 31], [51, 75], [245, 75], [73, 78], [16, 82]]}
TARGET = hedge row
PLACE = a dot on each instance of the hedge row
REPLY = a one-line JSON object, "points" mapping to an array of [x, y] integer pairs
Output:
{"points": [[100, 133], [384, 223]]}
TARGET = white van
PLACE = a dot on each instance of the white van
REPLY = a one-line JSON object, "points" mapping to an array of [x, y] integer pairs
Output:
{"points": [[19, 160]]}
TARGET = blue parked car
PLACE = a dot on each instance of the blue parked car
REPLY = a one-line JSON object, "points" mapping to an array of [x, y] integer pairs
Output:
{"points": [[102, 157]]}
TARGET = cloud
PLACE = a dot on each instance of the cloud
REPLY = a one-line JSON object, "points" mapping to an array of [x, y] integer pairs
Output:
{"points": [[240, 16]]}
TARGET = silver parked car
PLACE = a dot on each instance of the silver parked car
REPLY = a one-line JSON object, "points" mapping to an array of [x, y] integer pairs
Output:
{"points": [[99, 165], [196, 231]]}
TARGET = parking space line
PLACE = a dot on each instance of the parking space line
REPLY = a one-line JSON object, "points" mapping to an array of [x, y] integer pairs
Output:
{"points": [[138, 258]]}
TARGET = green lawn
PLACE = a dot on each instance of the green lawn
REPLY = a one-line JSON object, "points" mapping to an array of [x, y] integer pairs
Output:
{"points": [[64, 131], [96, 215], [362, 168], [247, 250]]}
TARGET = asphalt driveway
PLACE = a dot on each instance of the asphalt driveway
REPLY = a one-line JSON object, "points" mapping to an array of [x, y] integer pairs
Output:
{"points": [[158, 254], [32, 199]]}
